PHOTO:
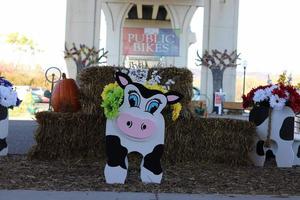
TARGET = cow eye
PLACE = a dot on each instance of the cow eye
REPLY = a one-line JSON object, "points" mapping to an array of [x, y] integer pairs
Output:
{"points": [[152, 106], [134, 100]]}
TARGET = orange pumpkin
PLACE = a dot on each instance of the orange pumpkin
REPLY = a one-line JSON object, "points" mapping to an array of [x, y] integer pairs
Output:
{"points": [[65, 96]]}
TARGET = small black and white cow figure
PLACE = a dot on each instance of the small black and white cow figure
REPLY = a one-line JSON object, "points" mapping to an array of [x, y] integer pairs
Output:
{"points": [[282, 135], [8, 99], [3, 130], [139, 127]]}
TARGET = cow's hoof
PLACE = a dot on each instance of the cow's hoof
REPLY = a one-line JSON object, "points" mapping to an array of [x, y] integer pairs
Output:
{"points": [[148, 176], [115, 174]]}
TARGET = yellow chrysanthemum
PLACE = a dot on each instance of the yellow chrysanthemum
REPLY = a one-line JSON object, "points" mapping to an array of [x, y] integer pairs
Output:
{"points": [[176, 110], [155, 87], [108, 88]]}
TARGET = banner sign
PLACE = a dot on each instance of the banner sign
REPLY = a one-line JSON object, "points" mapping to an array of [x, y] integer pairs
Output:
{"points": [[151, 41]]}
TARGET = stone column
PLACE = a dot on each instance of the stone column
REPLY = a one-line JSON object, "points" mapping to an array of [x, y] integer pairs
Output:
{"points": [[115, 13], [181, 16], [82, 26], [220, 32]]}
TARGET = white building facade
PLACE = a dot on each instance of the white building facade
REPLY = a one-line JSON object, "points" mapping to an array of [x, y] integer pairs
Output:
{"points": [[219, 30]]}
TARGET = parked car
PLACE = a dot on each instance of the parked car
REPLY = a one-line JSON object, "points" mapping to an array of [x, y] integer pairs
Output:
{"points": [[38, 95]]}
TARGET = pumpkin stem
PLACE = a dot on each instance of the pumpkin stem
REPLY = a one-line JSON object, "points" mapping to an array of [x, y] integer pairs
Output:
{"points": [[64, 76]]}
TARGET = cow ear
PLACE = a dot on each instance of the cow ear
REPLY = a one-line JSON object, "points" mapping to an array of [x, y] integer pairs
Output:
{"points": [[18, 102], [122, 79], [173, 97]]}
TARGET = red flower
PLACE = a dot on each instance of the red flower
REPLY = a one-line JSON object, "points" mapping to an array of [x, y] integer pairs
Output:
{"points": [[283, 91], [247, 101], [280, 92]]}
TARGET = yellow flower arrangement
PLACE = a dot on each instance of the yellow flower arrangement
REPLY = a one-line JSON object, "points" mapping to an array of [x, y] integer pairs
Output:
{"points": [[108, 88], [176, 110], [112, 96], [155, 87]]}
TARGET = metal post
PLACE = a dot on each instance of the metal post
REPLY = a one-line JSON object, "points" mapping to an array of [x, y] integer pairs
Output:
{"points": [[244, 81], [52, 83]]}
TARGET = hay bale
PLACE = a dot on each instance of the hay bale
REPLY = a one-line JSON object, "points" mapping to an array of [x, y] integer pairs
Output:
{"points": [[93, 79], [91, 83], [209, 139], [82, 136], [68, 136], [183, 79]]}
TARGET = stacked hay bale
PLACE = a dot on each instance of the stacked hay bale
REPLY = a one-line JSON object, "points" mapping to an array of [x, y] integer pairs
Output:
{"points": [[68, 136], [209, 140], [92, 81], [190, 138]]}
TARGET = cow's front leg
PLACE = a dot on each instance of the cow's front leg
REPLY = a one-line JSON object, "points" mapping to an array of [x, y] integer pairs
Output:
{"points": [[3, 136], [151, 171], [284, 154], [257, 154], [116, 167]]}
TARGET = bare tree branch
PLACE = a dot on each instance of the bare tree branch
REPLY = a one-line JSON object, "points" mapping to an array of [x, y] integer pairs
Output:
{"points": [[85, 56]]}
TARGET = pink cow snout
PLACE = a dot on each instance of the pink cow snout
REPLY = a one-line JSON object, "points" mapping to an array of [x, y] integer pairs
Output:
{"points": [[135, 127]]}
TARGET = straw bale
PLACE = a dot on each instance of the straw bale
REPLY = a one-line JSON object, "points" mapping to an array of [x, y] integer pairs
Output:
{"points": [[68, 136], [93, 79], [82, 136]]}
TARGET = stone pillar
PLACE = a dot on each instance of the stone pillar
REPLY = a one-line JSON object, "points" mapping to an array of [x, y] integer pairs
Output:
{"points": [[220, 32], [181, 17], [82, 26], [115, 13]]}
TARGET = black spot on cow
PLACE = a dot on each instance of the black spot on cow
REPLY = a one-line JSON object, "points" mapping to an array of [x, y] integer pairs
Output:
{"points": [[3, 112], [260, 148], [145, 92], [152, 160], [270, 155], [3, 144], [115, 152], [287, 129], [298, 154], [258, 115]]}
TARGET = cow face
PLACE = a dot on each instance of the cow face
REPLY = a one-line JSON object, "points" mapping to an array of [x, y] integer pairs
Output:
{"points": [[140, 114], [8, 97]]}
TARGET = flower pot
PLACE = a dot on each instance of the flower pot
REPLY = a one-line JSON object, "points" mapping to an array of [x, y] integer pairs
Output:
{"points": [[3, 130], [275, 132]]}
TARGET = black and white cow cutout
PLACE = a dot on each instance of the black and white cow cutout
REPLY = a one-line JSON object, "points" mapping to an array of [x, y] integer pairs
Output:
{"points": [[139, 127], [282, 135], [3, 130], [8, 99]]}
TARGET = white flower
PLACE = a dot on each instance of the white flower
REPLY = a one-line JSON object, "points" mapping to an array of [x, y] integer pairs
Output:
{"points": [[268, 90], [259, 95], [276, 102], [138, 75]]}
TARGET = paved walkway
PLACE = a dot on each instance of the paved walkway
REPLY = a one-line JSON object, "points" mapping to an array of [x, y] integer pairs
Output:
{"points": [[76, 195], [21, 136]]}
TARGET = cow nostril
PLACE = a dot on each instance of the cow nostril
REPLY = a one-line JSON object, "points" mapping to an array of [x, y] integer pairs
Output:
{"points": [[143, 127], [129, 124]]}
